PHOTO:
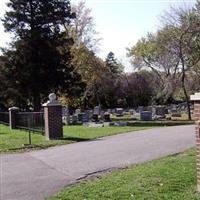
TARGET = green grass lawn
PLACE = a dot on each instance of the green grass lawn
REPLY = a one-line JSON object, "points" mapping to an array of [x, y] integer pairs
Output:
{"points": [[84, 132], [12, 140], [170, 178]]}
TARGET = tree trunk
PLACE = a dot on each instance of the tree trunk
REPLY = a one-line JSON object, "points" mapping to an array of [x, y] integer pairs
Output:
{"points": [[186, 95]]}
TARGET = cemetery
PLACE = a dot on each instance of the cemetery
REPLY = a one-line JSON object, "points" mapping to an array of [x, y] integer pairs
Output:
{"points": [[36, 130], [106, 111], [173, 113]]}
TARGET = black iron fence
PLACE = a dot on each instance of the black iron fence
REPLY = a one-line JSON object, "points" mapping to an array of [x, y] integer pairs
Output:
{"points": [[4, 118], [32, 121]]}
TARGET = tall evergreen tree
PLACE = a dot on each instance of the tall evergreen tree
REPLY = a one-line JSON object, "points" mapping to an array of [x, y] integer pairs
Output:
{"points": [[39, 61], [113, 65]]}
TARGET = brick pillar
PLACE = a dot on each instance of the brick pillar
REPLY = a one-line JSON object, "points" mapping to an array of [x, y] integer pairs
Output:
{"points": [[12, 117], [53, 118], [196, 99]]}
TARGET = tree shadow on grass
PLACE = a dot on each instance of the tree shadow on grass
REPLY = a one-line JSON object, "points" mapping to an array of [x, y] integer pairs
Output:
{"points": [[77, 139], [3, 133]]}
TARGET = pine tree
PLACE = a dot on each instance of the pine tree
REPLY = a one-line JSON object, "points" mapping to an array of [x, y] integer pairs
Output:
{"points": [[114, 67], [39, 61]]}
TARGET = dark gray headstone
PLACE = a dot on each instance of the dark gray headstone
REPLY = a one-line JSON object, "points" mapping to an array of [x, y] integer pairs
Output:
{"points": [[95, 118], [85, 117], [145, 116], [107, 117]]}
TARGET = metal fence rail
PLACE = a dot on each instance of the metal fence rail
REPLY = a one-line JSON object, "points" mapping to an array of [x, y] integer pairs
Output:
{"points": [[33, 121], [4, 118]]}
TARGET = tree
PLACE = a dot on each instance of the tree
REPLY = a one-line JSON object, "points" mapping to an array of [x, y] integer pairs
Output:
{"points": [[85, 61], [113, 65], [40, 58], [137, 88], [152, 52], [184, 28], [173, 51], [82, 28]]}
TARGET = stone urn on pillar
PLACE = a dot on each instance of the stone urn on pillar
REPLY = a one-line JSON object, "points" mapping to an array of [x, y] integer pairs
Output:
{"points": [[53, 118]]}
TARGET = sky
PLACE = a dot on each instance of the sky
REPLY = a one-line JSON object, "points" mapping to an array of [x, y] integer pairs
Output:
{"points": [[120, 23]]}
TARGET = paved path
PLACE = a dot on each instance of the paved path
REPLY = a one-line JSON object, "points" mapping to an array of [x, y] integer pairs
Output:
{"points": [[38, 174]]}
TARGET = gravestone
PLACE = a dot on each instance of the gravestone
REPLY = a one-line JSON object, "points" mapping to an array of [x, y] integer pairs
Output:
{"points": [[95, 118], [73, 119], [80, 116], [140, 109], [120, 124], [85, 117], [176, 114], [160, 110], [96, 110], [65, 111], [106, 117], [109, 111], [64, 120], [148, 108], [77, 112], [145, 116], [119, 112], [131, 111]]}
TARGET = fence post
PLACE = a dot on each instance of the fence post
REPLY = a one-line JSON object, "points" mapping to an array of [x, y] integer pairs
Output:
{"points": [[196, 99], [12, 117], [53, 118]]}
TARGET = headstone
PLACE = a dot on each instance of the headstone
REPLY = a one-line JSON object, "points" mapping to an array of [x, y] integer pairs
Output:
{"points": [[74, 119], [96, 110], [65, 111], [145, 116], [80, 116], [85, 117], [176, 114], [120, 124], [77, 111], [149, 108], [140, 109], [131, 111], [95, 118], [106, 117], [64, 120], [160, 110], [95, 125], [109, 111], [102, 115], [119, 112]]}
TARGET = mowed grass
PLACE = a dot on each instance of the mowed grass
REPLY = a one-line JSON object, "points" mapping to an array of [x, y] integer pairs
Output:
{"points": [[17, 140], [170, 178], [84, 132]]}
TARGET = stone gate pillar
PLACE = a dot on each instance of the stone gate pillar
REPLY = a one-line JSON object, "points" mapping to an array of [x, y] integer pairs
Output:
{"points": [[196, 99], [53, 118]]}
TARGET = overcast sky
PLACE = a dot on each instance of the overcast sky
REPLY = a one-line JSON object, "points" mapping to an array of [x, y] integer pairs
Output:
{"points": [[120, 23]]}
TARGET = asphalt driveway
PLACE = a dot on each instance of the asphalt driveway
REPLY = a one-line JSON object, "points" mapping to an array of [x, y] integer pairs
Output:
{"points": [[39, 174]]}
